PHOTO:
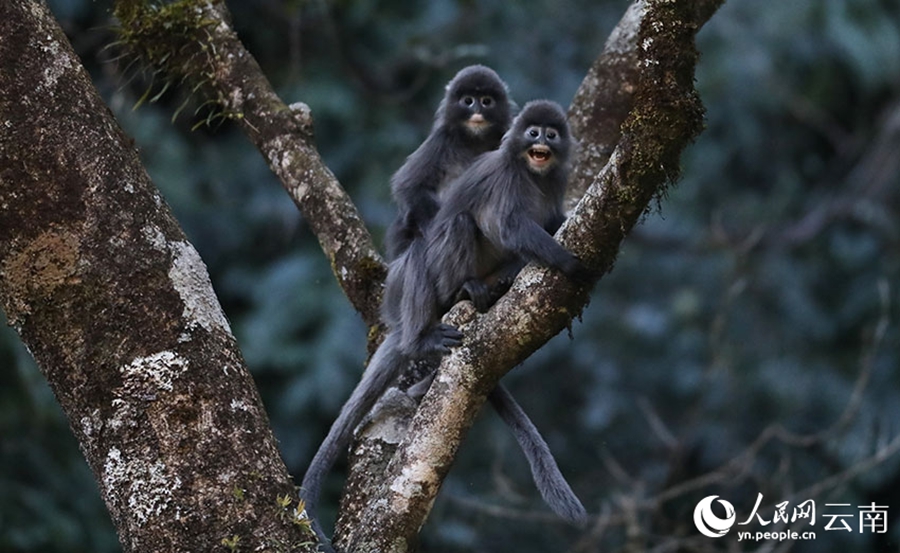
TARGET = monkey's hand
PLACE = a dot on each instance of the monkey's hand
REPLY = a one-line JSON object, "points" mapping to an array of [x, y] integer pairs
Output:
{"points": [[578, 271], [439, 340], [479, 292]]}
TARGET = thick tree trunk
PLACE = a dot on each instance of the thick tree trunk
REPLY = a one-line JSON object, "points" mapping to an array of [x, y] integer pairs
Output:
{"points": [[117, 309]]}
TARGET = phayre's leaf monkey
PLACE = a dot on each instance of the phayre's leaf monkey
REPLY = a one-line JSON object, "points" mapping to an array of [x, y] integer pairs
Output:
{"points": [[471, 119], [445, 244]]}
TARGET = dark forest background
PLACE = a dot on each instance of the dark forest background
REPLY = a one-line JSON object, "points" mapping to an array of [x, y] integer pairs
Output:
{"points": [[746, 341]]}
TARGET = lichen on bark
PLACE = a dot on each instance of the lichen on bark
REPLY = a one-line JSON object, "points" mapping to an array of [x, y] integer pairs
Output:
{"points": [[118, 311]]}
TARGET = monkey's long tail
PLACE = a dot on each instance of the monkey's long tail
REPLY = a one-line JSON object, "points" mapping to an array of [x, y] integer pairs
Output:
{"points": [[384, 366], [549, 480]]}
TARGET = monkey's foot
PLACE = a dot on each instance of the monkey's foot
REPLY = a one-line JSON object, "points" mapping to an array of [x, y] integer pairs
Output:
{"points": [[479, 293]]}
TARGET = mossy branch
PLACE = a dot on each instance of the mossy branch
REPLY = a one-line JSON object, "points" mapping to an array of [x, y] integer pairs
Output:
{"points": [[118, 311], [192, 41]]}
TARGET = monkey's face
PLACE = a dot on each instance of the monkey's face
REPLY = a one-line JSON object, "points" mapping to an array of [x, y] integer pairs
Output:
{"points": [[541, 146], [477, 105], [477, 112]]}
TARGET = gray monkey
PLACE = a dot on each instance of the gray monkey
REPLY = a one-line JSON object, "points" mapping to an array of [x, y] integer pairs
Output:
{"points": [[470, 120], [499, 213]]}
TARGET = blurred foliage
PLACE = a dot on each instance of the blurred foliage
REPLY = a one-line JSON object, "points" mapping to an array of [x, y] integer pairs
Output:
{"points": [[757, 297]]}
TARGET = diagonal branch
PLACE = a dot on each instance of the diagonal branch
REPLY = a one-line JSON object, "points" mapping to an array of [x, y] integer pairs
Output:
{"points": [[603, 101], [606, 95], [666, 115], [193, 41]]}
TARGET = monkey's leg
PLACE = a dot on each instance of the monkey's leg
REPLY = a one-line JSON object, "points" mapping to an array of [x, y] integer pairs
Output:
{"points": [[478, 292]]}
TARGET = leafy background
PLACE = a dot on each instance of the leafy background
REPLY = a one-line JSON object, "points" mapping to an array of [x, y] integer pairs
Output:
{"points": [[746, 341]]}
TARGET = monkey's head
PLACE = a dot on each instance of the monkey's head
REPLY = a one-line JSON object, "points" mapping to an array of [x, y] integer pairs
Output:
{"points": [[476, 103], [540, 135]]}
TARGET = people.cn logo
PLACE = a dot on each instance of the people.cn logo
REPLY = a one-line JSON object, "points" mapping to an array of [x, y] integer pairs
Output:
{"points": [[708, 523]]}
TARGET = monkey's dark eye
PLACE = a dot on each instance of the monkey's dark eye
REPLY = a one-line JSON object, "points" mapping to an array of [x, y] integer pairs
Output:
{"points": [[468, 100], [534, 133], [487, 101], [551, 134]]}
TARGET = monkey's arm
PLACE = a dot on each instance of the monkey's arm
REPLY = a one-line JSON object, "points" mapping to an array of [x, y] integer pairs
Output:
{"points": [[414, 189], [554, 223], [531, 242], [415, 212]]}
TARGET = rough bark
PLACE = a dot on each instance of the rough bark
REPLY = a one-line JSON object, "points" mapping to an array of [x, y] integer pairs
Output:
{"points": [[156, 390], [606, 95], [118, 311], [193, 41], [603, 101], [664, 117]]}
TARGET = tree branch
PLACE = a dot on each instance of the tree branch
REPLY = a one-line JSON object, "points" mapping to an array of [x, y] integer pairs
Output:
{"points": [[603, 101], [118, 311], [192, 40], [644, 79], [606, 95], [665, 116]]}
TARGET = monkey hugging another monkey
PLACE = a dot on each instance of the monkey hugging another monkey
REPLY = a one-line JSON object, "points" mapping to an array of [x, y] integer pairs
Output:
{"points": [[480, 198]]}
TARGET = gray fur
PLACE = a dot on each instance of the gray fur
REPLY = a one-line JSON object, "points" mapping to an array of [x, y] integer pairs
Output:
{"points": [[507, 210], [383, 368], [499, 212], [416, 187], [497, 215], [447, 151], [549, 480]]}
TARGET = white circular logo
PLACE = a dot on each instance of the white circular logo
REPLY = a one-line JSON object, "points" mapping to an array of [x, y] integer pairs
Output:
{"points": [[708, 523]]}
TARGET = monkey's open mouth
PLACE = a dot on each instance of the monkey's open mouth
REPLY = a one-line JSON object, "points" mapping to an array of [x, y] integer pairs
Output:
{"points": [[539, 154]]}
